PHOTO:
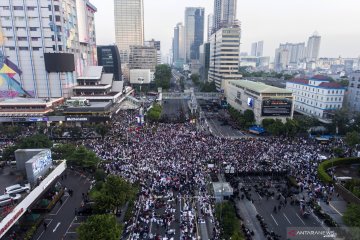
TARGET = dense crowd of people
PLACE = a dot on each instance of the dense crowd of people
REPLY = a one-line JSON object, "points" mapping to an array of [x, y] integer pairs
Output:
{"points": [[172, 162]]}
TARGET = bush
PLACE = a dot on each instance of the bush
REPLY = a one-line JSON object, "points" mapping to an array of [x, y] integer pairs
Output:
{"points": [[351, 216], [324, 176]]}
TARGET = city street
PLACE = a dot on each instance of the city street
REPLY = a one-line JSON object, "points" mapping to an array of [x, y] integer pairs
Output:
{"points": [[61, 221]]}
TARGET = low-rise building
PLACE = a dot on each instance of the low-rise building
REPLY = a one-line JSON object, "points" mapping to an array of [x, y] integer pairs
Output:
{"points": [[316, 96], [264, 100]]}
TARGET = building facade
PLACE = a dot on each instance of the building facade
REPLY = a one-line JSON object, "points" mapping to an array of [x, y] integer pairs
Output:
{"points": [[210, 26], [109, 58], [317, 96], [313, 47], [224, 14], [289, 54], [194, 32], [179, 45], [353, 102], [129, 28], [224, 56], [257, 49], [142, 57], [264, 100], [204, 60], [31, 29], [157, 45]]}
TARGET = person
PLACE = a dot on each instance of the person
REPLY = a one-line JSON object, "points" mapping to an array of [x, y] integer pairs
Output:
{"points": [[45, 226]]}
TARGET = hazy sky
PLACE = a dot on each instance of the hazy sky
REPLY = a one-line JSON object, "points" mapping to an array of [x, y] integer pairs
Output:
{"points": [[275, 21]]}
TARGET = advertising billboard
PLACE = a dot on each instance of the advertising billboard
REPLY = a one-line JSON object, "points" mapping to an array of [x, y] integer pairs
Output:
{"points": [[276, 107], [59, 62], [38, 165]]}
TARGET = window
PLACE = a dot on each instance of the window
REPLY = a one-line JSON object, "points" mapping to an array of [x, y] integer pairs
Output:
{"points": [[60, 48], [22, 38], [36, 48], [34, 39], [10, 38], [6, 8], [50, 18], [23, 48], [57, 18], [57, 8], [49, 7], [33, 29], [8, 28], [20, 28], [54, 48], [11, 48], [31, 8], [18, 8], [7, 18]]}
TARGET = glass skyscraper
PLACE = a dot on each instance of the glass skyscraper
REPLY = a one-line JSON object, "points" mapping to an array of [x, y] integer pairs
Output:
{"points": [[194, 32]]}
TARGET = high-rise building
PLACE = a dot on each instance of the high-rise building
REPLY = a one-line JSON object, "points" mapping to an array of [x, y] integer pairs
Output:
{"points": [[260, 49], [31, 30], [313, 47], [109, 58], [157, 46], [253, 49], [179, 45], [129, 28], [289, 53], [194, 32], [142, 57], [210, 26], [224, 56], [204, 60], [353, 101], [224, 13]]}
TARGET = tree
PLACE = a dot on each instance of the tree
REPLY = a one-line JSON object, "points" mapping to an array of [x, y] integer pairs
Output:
{"points": [[340, 121], [9, 153], [208, 87], [267, 122], [352, 139], [83, 157], [162, 76], [101, 129], [153, 115], [277, 128], [63, 151], [351, 216], [35, 141], [195, 78], [100, 227], [114, 193], [249, 117]]}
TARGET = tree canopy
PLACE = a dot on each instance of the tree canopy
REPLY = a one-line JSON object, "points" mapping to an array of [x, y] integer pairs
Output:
{"points": [[351, 216], [100, 227], [162, 76]]}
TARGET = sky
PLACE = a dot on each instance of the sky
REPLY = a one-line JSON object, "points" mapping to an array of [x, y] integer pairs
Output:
{"points": [[274, 22]]}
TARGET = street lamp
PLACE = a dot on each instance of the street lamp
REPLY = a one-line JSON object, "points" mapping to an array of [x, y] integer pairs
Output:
{"points": [[141, 80]]}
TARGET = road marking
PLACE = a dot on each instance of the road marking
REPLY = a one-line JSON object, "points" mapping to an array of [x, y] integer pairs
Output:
{"points": [[57, 225], [259, 196], [274, 219], [286, 218], [54, 214], [300, 218], [335, 209], [67, 230], [44, 231]]}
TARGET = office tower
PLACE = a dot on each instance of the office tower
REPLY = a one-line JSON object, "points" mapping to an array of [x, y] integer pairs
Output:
{"points": [[142, 57], [32, 30], [204, 60], [194, 32], [210, 26], [157, 46], [313, 47], [129, 28], [282, 59], [224, 13], [257, 49], [109, 58], [179, 45], [294, 54], [224, 56]]}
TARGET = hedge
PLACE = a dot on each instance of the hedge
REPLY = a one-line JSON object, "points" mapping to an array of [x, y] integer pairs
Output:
{"points": [[322, 174]]}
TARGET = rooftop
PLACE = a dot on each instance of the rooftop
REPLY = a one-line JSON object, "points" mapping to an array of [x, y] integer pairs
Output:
{"points": [[258, 86], [92, 72], [27, 101]]}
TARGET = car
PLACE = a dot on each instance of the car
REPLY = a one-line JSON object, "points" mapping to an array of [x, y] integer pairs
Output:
{"points": [[17, 188], [15, 196], [7, 199]]}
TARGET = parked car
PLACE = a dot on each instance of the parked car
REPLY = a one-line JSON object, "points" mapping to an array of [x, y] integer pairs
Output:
{"points": [[17, 188], [8, 199]]}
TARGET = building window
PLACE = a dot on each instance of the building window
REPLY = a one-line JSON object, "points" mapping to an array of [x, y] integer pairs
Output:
{"points": [[60, 48], [33, 29], [34, 39], [18, 8], [31, 8], [57, 8], [57, 18], [49, 7], [36, 48], [11, 48], [23, 48], [6, 8], [22, 38], [8, 28]]}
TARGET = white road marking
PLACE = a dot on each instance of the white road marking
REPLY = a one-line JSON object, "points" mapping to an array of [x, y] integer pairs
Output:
{"points": [[44, 231], [335, 209], [75, 218], [259, 196], [300, 219], [274, 219], [54, 214], [286, 218], [57, 225]]}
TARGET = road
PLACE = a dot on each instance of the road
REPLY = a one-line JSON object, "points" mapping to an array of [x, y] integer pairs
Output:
{"points": [[61, 220]]}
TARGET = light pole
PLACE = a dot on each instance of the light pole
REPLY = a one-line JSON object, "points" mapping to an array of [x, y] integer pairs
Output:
{"points": [[141, 80]]}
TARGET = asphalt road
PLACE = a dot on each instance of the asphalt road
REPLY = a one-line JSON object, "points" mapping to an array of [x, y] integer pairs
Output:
{"points": [[61, 219], [173, 107], [278, 222]]}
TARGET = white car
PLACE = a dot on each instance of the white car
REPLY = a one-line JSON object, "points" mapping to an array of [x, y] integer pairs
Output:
{"points": [[17, 188], [15, 196]]}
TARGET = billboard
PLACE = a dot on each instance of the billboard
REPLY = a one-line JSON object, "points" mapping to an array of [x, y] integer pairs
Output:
{"points": [[276, 107], [250, 102], [38, 165], [59, 62]]}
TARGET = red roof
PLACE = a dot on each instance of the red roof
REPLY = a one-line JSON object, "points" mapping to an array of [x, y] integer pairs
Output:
{"points": [[320, 77]]}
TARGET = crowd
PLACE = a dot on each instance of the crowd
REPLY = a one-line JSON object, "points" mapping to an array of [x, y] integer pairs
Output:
{"points": [[172, 162]]}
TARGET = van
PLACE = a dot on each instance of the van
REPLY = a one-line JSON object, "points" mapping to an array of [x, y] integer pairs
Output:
{"points": [[17, 188]]}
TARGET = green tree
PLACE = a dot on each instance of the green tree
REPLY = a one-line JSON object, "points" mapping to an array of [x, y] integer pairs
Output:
{"points": [[35, 141], [9, 153], [351, 215], [195, 78], [76, 132], [63, 151], [83, 157], [249, 116], [277, 128], [100, 227], [352, 139], [154, 114], [340, 121], [208, 87], [291, 127], [101, 129], [162, 76], [267, 122]]}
